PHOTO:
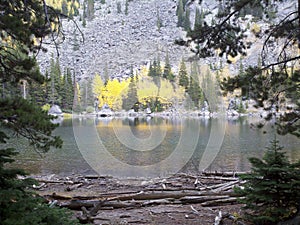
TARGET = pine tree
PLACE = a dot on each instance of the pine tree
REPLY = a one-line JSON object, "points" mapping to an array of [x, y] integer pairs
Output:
{"points": [[151, 72], [183, 76], [77, 97], [157, 67], [187, 20], [167, 73], [199, 17], [38, 93], [105, 74], [194, 90], [126, 7], [67, 91], [131, 99], [180, 13], [56, 82], [272, 189], [158, 20], [87, 93], [210, 89], [22, 23]]}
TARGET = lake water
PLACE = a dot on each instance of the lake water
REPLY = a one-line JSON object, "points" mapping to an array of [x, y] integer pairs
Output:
{"points": [[151, 147]]}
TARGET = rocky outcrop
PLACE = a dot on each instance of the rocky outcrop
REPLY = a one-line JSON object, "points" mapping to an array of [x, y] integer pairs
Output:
{"points": [[115, 41]]}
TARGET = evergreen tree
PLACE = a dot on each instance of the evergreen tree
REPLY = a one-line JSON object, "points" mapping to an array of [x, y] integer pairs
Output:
{"points": [[151, 72], [67, 91], [77, 97], [157, 67], [87, 93], [158, 20], [187, 21], [227, 38], [272, 189], [56, 82], [20, 206], [194, 90], [38, 93], [126, 7], [75, 42], [180, 13], [199, 19], [105, 74], [167, 73], [183, 76], [211, 91], [131, 99], [23, 22]]}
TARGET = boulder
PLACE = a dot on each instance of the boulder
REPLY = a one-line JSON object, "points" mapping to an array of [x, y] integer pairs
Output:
{"points": [[55, 110]]}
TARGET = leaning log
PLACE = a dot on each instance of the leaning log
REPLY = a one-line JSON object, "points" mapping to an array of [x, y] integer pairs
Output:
{"points": [[218, 202]]}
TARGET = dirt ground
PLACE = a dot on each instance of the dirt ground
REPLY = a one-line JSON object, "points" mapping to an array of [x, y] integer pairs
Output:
{"points": [[180, 199]]}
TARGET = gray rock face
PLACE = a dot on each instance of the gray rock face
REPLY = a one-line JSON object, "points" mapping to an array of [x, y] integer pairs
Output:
{"points": [[118, 41], [114, 42]]}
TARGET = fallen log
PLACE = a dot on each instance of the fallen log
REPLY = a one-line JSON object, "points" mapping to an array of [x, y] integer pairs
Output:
{"points": [[73, 187], [226, 186], [97, 205], [221, 178], [54, 181], [223, 174], [201, 199], [218, 202]]}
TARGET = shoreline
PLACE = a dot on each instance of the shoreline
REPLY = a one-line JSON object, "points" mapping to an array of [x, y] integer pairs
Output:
{"points": [[192, 114], [180, 199]]}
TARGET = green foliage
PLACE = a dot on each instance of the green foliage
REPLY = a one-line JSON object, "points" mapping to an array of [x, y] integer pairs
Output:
{"points": [[264, 88], [183, 75], [18, 32], [130, 101], [67, 91], [20, 206], [194, 90], [158, 20], [180, 13], [90, 109], [187, 21], [28, 120], [126, 7], [270, 79], [210, 88], [46, 107], [22, 24], [167, 73], [57, 89], [272, 189], [241, 108], [87, 95]]}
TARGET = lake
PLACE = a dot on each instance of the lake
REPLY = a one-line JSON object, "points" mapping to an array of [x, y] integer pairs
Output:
{"points": [[153, 146]]}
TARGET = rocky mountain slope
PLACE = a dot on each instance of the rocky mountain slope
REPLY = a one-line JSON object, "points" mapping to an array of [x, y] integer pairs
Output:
{"points": [[114, 41]]}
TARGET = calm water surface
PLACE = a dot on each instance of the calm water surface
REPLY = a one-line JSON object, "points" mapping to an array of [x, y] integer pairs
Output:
{"points": [[152, 146]]}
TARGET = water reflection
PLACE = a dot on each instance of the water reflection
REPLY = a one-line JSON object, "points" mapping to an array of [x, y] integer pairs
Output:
{"points": [[152, 146]]}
